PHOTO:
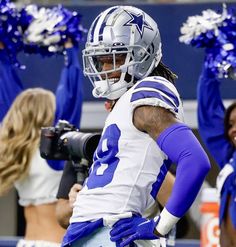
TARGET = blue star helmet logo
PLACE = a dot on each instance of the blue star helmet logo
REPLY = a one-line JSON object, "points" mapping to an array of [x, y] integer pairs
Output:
{"points": [[138, 21]]}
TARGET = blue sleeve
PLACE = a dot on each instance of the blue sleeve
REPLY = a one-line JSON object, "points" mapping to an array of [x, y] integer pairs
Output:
{"points": [[182, 148], [69, 96], [69, 93], [211, 116], [10, 84]]}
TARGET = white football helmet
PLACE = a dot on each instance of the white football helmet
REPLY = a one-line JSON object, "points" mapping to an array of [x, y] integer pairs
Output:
{"points": [[121, 30]]}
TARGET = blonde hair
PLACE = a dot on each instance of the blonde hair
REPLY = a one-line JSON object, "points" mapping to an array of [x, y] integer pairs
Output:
{"points": [[20, 133]]}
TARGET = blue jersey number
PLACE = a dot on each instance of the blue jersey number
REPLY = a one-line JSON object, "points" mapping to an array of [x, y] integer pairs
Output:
{"points": [[105, 161]]}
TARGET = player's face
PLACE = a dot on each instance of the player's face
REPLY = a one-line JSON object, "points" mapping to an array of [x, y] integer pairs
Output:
{"points": [[107, 63], [232, 126]]}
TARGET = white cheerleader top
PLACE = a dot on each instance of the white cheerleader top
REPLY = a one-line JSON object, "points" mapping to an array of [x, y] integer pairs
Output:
{"points": [[41, 184]]}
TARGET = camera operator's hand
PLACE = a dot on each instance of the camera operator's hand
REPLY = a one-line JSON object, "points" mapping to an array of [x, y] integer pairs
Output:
{"points": [[75, 189]]}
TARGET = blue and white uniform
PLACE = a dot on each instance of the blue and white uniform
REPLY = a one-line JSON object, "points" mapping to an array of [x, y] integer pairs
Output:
{"points": [[127, 162], [129, 167], [211, 113]]}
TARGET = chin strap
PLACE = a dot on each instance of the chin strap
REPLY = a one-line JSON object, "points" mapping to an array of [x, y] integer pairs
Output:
{"points": [[100, 89]]}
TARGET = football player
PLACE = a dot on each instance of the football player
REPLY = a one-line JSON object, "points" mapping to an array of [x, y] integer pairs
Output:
{"points": [[143, 135]]}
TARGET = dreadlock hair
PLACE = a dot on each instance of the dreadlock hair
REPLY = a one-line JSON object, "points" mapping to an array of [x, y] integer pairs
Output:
{"points": [[164, 71]]}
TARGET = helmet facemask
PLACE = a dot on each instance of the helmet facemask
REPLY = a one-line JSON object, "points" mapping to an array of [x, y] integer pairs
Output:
{"points": [[104, 85]]}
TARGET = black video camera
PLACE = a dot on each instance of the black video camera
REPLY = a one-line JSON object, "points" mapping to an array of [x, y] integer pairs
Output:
{"points": [[65, 142]]}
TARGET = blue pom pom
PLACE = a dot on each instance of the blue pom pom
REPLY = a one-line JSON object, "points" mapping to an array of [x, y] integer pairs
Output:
{"points": [[217, 34], [50, 29], [38, 30], [10, 29]]}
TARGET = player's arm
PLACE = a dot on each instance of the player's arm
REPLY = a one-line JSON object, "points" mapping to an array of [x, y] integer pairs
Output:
{"points": [[178, 142], [153, 119], [180, 145]]}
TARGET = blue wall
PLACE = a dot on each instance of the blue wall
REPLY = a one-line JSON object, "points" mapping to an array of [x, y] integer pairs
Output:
{"points": [[182, 59]]}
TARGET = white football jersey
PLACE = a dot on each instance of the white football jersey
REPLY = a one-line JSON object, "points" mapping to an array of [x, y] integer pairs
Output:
{"points": [[128, 167]]}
